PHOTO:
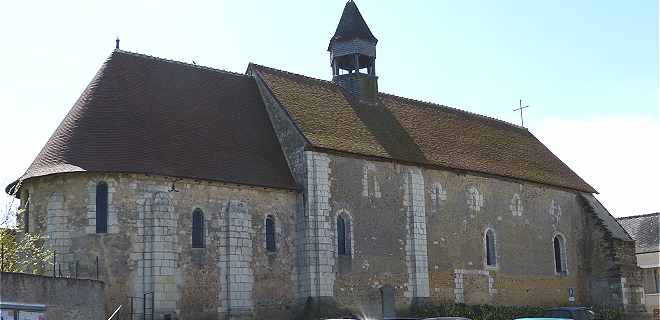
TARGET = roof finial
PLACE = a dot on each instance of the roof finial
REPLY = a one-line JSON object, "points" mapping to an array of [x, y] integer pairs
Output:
{"points": [[520, 108], [117, 43]]}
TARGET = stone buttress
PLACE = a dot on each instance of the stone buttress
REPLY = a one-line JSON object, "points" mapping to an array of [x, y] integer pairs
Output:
{"points": [[315, 237]]}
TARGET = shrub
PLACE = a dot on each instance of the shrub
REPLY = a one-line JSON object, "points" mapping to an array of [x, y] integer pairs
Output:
{"points": [[497, 312]]}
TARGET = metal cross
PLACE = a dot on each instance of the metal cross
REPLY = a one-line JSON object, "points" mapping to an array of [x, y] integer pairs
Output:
{"points": [[520, 107]]}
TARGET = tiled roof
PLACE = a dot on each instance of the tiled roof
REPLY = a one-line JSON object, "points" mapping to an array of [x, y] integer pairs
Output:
{"points": [[142, 114], [352, 26], [645, 229], [416, 132]]}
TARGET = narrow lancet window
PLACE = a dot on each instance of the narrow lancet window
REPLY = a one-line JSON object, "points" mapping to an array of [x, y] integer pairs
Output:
{"points": [[271, 246], [342, 248], [198, 228], [26, 214], [491, 255], [101, 207]]}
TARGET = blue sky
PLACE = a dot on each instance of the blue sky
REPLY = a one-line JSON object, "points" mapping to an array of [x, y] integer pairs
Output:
{"points": [[589, 69]]}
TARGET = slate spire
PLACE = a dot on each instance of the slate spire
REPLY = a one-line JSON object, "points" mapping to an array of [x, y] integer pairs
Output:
{"points": [[353, 55], [352, 26]]}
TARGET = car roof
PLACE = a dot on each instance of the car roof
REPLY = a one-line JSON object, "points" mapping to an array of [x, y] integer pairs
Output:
{"points": [[543, 319], [568, 308]]}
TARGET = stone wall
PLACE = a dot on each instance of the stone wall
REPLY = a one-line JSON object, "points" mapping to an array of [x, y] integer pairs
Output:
{"points": [[148, 247], [610, 265], [421, 232], [64, 299], [413, 235]]}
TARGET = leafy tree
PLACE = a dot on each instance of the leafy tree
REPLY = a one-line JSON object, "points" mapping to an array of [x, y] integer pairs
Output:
{"points": [[27, 253], [33, 255], [7, 250]]}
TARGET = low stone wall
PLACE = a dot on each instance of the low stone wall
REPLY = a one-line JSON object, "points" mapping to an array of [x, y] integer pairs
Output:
{"points": [[63, 298]]}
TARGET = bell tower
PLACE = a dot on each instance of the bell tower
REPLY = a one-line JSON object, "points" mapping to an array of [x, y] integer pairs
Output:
{"points": [[353, 55]]}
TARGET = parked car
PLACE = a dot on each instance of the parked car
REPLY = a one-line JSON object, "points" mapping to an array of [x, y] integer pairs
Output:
{"points": [[575, 313], [565, 313], [436, 318], [544, 318]]}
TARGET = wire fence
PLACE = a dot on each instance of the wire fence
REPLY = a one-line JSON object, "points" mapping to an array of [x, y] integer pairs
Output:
{"points": [[142, 308], [77, 268], [60, 266]]}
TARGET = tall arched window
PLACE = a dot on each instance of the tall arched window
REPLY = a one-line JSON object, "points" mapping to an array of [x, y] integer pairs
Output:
{"points": [[102, 207], [491, 254], [271, 246], [560, 255], [26, 214], [198, 228], [342, 239]]}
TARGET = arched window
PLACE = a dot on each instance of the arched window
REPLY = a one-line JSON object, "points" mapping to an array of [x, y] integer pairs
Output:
{"points": [[560, 255], [101, 207], [271, 246], [198, 228], [343, 244], [491, 254], [26, 214]]}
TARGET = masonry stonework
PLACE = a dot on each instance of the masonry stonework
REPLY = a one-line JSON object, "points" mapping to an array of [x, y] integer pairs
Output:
{"points": [[61, 298], [151, 251], [423, 238], [450, 237]]}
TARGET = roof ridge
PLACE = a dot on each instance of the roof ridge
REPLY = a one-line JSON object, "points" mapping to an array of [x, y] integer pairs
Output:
{"points": [[437, 105], [292, 73], [146, 56], [427, 103], [640, 216]]}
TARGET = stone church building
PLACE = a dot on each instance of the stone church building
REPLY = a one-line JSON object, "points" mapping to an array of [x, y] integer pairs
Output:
{"points": [[267, 194]]}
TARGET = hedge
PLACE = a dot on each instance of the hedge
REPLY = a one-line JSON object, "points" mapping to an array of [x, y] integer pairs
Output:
{"points": [[497, 312]]}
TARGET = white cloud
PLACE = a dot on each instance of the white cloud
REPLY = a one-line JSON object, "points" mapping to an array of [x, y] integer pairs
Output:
{"points": [[619, 156]]}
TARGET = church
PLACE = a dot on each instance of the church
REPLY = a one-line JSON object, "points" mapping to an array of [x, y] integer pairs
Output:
{"points": [[208, 194]]}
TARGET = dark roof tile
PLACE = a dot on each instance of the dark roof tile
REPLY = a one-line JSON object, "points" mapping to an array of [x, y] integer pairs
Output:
{"points": [[645, 229], [352, 26], [413, 131], [142, 114]]}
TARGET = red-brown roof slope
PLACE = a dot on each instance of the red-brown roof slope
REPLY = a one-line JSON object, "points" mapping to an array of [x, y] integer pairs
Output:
{"points": [[148, 115], [412, 131]]}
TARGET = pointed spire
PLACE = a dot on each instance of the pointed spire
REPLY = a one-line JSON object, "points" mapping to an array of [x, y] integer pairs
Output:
{"points": [[352, 26], [352, 52]]}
